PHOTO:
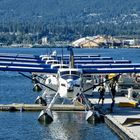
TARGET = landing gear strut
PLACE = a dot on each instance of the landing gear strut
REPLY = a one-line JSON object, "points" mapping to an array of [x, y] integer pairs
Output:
{"points": [[41, 100], [46, 115]]}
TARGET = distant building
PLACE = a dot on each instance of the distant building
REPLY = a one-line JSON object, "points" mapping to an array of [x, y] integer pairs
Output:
{"points": [[90, 42], [44, 40], [97, 41], [2, 44], [129, 42]]}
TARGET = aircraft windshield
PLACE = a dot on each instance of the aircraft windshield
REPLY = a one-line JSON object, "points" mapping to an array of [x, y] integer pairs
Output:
{"points": [[64, 73], [52, 62], [59, 66], [77, 73], [55, 62]]}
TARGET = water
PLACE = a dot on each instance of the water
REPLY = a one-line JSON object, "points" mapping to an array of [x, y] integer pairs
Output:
{"points": [[66, 126], [15, 88]]}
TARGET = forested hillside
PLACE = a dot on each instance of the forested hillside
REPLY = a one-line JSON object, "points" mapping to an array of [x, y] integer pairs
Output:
{"points": [[67, 19]]}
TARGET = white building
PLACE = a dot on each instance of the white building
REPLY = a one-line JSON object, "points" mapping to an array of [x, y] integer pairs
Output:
{"points": [[129, 41], [44, 40]]}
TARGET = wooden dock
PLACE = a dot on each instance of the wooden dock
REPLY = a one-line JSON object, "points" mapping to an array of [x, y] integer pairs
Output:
{"points": [[37, 107], [120, 121]]}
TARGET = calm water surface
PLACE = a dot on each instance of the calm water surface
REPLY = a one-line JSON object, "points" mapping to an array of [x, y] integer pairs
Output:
{"points": [[66, 125]]}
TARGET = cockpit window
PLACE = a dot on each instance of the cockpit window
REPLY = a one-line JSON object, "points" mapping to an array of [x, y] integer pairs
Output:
{"points": [[56, 67], [70, 73], [47, 58], [75, 73], [55, 62], [64, 73], [52, 62], [64, 67], [59, 66]]}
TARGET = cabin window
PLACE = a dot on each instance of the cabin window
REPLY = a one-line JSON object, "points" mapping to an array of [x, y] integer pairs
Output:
{"points": [[64, 67], [49, 62], [56, 67], [55, 62], [48, 58], [52, 62], [63, 85]]}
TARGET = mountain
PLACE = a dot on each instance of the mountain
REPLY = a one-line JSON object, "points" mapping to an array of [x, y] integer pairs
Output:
{"points": [[70, 10], [70, 18]]}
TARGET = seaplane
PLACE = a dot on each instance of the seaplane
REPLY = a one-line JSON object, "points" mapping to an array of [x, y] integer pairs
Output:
{"points": [[71, 80]]}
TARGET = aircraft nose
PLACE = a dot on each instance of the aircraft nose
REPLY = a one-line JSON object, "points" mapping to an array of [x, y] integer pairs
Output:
{"points": [[70, 86]]}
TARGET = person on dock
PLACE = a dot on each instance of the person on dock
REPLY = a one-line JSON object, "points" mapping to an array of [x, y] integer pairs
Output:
{"points": [[101, 90], [113, 94], [113, 89]]}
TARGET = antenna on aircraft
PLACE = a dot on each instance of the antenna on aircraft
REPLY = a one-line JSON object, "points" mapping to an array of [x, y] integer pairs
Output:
{"points": [[71, 64], [62, 56]]}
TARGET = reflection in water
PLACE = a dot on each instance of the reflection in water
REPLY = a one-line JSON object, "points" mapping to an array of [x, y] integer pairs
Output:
{"points": [[67, 125], [73, 126]]}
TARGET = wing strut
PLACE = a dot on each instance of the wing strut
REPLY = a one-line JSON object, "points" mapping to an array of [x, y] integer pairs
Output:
{"points": [[94, 86], [37, 81]]}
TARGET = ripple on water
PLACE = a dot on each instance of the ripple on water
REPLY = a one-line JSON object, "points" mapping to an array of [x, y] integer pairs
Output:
{"points": [[66, 126]]}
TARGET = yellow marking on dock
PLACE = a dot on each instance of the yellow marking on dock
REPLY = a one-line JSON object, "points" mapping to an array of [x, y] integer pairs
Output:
{"points": [[127, 104]]}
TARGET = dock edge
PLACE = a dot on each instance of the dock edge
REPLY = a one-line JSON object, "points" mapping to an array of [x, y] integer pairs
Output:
{"points": [[121, 133]]}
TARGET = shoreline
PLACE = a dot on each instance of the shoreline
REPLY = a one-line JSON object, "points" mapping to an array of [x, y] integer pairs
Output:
{"points": [[64, 45]]}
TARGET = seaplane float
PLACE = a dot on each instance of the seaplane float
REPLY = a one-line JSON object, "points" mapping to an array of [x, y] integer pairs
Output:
{"points": [[71, 75]]}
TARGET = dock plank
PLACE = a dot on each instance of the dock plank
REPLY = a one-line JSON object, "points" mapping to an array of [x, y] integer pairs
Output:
{"points": [[116, 119], [37, 107]]}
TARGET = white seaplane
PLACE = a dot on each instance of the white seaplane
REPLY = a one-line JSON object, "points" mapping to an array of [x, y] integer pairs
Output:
{"points": [[70, 80]]}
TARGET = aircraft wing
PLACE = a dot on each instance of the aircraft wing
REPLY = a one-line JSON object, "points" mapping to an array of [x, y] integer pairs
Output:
{"points": [[94, 69], [31, 60], [32, 63], [78, 59], [15, 55], [111, 70], [28, 69], [111, 65], [39, 56], [24, 64], [100, 61]]}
